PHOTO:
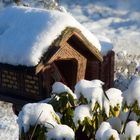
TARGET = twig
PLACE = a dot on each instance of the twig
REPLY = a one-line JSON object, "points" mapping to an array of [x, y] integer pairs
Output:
{"points": [[126, 120]]}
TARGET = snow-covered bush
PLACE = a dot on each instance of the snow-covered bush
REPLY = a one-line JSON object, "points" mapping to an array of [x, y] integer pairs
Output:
{"points": [[89, 112], [34, 120]]}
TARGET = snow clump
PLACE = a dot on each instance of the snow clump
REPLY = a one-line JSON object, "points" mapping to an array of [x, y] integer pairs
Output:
{"points": [[110, 133], [132, 94], [60, 132], [132, 130], [103, 127], [90, 90], [40, 113], [115, 99], [59, 88], [80, 113]]}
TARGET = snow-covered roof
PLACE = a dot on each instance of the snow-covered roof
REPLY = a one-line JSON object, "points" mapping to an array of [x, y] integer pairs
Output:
{"points": [[26, 33]]}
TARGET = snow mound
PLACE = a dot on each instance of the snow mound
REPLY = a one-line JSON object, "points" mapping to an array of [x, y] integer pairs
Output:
{"points": [[91, 90], [132, 94], [115, 98], [106, 44], [60, 132], [103, 127], [31, 31], [84, 84], [80, 113], [40, 113], [110, 133], [132, 130]]}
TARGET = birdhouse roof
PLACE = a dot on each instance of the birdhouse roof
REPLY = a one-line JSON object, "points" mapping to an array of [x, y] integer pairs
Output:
{"points": [[26, 33]]}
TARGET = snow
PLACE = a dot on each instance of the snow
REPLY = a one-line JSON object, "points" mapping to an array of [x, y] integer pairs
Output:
{"points": [[40, 113], [91, 90], [103, 127], [106, 44], [8, 123], [132, 94], [132, 130], [115, 98], [110, 133], [27, 48], [60, 132], [58, 88], [80, 113], [116, 20], [83, 84]]}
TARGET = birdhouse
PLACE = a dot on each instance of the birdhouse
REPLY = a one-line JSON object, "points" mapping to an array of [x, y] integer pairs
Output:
{"points": [[39, 47]]}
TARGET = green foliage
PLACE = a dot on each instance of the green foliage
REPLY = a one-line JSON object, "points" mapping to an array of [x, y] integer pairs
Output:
{"points": [[82, 100], [65, 104], [37, 133], [138, 137], [111, 138]]}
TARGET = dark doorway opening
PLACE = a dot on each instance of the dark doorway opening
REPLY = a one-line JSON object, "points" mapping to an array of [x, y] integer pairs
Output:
{"points": [[68, 70]]}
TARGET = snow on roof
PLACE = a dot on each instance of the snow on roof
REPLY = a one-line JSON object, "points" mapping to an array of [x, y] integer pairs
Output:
{"points": [[106, 44], [26, 33]]}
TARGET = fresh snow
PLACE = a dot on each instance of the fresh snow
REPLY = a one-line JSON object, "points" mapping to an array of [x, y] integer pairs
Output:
{"points": [[115, 98], [44, 27], [60, 132], [8, 123], [40, 113], [80, 113], [110, 133], [84, 84], [91, 90], [132, 130], [117, 20], [58, 88], [132, 94], [103, 127]]}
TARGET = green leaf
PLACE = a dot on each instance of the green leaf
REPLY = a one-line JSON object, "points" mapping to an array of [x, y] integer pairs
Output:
{"points": [[138, 137]]}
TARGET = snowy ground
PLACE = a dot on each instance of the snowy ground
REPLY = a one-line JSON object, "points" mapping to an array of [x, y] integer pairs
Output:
{"points": [[118, 20]]}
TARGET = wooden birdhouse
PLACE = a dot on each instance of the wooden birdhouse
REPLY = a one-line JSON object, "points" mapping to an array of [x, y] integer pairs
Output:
{"points": [[28, 70]]}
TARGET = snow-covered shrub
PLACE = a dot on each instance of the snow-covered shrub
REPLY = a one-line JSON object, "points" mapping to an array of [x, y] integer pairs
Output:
{"points": [[89, 112], [113, 103], [132, 94], [36, 117]]}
